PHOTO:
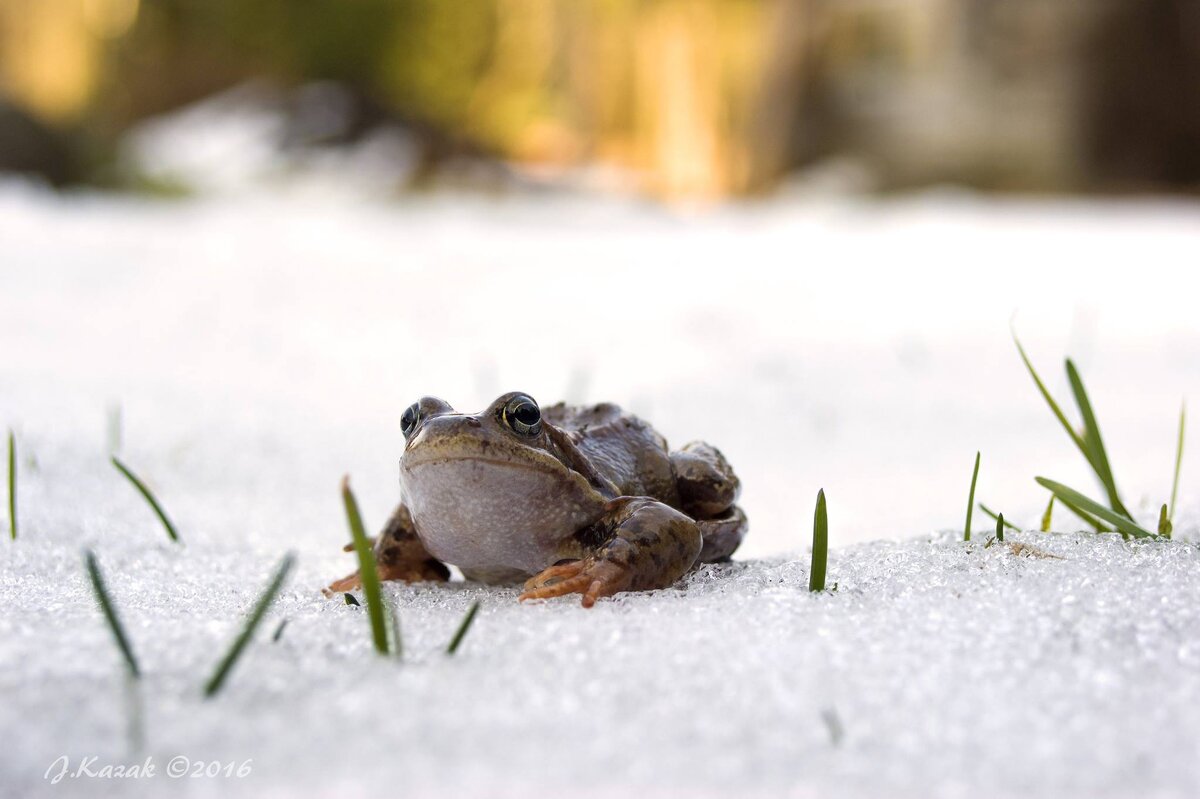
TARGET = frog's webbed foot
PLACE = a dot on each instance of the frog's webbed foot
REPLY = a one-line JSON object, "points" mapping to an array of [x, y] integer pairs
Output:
{"points": [[651, 545], [399, 555]]}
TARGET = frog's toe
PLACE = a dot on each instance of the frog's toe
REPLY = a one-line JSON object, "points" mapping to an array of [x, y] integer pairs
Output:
{"points": [[592, 578], [554, 574], [347, 583]]}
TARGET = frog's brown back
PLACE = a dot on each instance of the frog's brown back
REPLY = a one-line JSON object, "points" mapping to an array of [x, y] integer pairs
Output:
{"points": [[621, 447]]}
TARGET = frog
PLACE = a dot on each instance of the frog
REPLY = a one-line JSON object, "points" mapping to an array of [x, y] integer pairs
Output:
{"points": [[587, 500]]}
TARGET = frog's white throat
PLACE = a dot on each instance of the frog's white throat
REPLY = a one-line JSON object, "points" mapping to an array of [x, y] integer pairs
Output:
{"points": [[488, 516]]}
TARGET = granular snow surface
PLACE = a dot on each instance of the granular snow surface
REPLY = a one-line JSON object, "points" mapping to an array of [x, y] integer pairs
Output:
{"points": [[259, 349]]}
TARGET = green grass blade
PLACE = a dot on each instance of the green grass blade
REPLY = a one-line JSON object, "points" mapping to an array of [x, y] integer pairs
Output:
{"points": [[994, 516], [279, 631], [461, 632], [1164, 522], [1096, 454], [110, 613], [12, 486], [1086, 518], [1049, 399], [260, 609], [1178, 462], [149, 497], [820, 545], [1000, 528], [1048, 516], [971, 499], [366, 569], [1073, 497]]}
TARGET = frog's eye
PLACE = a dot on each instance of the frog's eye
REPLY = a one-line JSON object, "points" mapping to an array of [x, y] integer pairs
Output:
{"points": [[522, 415], [408, 422]]}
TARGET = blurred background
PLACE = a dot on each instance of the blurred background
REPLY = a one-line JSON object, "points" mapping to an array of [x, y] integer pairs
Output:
{"points": [[676, 99]]}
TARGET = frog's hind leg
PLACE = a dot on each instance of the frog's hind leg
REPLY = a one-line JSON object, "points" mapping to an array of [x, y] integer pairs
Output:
{"points": [[708, 488], [647, 545], [399, 555]]}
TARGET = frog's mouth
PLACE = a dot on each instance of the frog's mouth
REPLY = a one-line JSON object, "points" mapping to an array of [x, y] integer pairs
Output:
{"points": [[448, 460]]}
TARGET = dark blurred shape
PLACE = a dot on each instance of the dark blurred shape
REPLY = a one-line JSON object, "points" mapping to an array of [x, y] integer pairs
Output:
{"points": [[1143, 96], [29, 147], [328, 113]]}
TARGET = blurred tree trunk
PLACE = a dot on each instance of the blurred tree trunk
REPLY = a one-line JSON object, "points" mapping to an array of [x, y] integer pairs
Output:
{"points": [[1142, 96]]}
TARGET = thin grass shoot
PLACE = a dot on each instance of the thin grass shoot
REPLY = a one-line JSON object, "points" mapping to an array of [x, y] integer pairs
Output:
{"points": [[971, 499], [1164, 522], [149, 497], [465, 625], [1097, 455], [366, 569], [12, 486], [1058, 414], [110, 614], [256, 616], [820, 545]]}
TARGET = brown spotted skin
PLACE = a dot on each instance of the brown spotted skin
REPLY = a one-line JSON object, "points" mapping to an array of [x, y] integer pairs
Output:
{"points": [[696, 479], [706, 483], [648, 545], [592, 502], [399, 551], [399, 555], [621, 447]]}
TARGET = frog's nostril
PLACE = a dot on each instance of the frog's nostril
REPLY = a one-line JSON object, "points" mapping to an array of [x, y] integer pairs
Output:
{"points": [[473, 422]]}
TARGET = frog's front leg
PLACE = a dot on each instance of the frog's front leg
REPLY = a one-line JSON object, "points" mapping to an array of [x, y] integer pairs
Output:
{"points": [[648, 545], [399, 555]]}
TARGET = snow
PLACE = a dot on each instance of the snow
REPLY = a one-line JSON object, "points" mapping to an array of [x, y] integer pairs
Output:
{"points": [[259, 346]]}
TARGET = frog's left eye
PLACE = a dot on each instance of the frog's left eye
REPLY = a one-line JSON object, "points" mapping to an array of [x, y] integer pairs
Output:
{"points": [[408, 422], [523, 415]]}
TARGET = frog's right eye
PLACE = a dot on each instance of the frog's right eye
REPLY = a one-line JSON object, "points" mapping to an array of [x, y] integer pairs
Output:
{"points": [[523, 415], [408, 422]]}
